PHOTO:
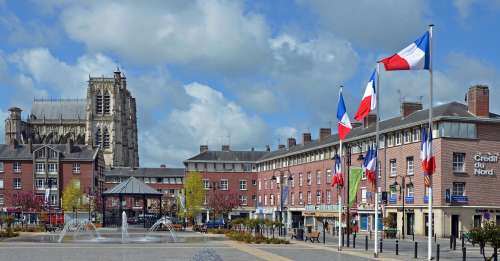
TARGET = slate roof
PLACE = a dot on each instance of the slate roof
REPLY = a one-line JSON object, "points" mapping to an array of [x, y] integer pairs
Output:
{"points": [[145, 172], [22, 152], [50, 109], [452, 111], [132, 186], [228, 156]]}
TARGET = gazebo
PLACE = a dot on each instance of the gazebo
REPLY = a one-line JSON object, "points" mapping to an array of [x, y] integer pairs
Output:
{"points": [[130, 188]]}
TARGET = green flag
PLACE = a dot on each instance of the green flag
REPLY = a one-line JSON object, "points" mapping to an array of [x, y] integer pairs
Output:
{"points": [[354, 180]]}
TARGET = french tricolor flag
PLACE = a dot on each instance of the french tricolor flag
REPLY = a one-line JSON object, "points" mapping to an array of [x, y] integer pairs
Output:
{"points": [[428, 161], [344, 126], [416, 56], [369, 100], [338, 178]]}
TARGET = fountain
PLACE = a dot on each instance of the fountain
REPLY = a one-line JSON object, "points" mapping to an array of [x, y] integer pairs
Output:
{"points": [[163, 222], [125, 236], [79, 227]]}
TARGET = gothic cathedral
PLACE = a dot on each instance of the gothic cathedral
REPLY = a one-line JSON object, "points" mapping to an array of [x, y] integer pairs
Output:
{"points": [[106, 119]]}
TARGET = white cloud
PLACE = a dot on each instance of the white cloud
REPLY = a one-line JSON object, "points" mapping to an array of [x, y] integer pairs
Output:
{"points": [[213, 34], [464, 7], [372, 24], [209, 118], [3, 116], [68, 80], [286, 132]]}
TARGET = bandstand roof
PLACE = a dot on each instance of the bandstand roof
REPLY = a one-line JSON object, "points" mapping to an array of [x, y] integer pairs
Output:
{"points": [[132, 186]]}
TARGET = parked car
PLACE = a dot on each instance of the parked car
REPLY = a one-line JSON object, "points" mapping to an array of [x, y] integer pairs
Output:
{"points": [[217, 223]]}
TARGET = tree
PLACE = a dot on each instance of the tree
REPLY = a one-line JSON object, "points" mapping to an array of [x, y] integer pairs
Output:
{"points": [[27, 201], [194, 193], [222, 202], [73, 198], [489, 233]]}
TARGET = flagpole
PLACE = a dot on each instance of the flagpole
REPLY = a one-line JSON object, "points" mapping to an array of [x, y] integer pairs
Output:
{"points": [[377, 128], [340, 198], [430, 220]]}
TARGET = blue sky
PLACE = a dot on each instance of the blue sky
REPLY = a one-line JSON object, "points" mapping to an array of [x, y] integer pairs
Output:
{"points": [[248, 73]]}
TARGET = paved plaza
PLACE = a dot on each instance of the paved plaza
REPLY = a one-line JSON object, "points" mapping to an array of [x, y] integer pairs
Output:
{"points": [[217, 247]]}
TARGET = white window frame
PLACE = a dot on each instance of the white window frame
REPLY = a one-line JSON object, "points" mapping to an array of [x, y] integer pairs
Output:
{"points": [[1, 184], [458, 166], [458, 187], [76, 167], [318, 177], [17, 183], [243, 184], [40, 168], [292, 198], [301, 179], [309, 198], [410, 190], [328, 176], [301, 198], [224, 184], [328, 197], [2, 169], [206, 184], [243, 200], [52, 168], [398, 138], [363, 195], [309, 178], [17, 168], [318, 197], [393, 167], [410, 166]]}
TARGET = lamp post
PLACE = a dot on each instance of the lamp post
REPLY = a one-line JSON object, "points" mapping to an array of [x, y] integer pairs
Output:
{"points": [[281, 182], [402, 188]]}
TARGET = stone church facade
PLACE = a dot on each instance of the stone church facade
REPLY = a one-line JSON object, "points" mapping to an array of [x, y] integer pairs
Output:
{"points": [[106, 119]]}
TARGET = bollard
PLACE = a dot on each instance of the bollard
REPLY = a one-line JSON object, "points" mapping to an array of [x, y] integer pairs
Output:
{"points": [[342, 239], [435, 238], [413, 236], [463, 241], [464, 254], [454, 243], [366, 243], [415, 251], [397, 247], [451, 242], [354, 240], [381, 246], [437, 252], [495, 254]]}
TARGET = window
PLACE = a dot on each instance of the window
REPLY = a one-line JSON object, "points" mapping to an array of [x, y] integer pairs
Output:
{"points": [[407, 137], [328, 197], [394, 168], [309, 179], [265, 184], [363, 195], [265, 200], [105, 138], [52, 168], [98, 137], [292, 182], [409, 166], [318, 177], [243, 185], [410, 191], [301, 198], [318, 197], [260, 200], [1, 183], [53, 199], [309, 198], [292, 198], [398, 138], [416, 134], [98, 103], [254, 182], [458, 189], [76, 167], [17, 183], [1, 168], [260, 185], [243, 200], [17, 167], [272, 199], [328, 176], [301, 179], [2, 200], [53, 154], [40, 167], [458, 162], [457, 130], [206, 184], [382, 142], [390, 140], [224, 184], [107, 103], [178, 180], [40, 183]]}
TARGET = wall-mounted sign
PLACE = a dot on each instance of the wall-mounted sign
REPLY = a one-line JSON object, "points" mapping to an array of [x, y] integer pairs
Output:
{"points": [[482, 163]]}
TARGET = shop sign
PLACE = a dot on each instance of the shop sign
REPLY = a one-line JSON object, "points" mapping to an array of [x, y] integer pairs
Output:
{"points": [[481, 162]]}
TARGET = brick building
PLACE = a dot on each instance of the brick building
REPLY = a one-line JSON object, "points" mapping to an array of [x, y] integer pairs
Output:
{"points": [[466, 146], [232, 172], [48, 168]]}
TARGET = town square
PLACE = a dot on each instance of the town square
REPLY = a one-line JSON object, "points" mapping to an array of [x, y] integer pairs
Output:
{"points": [[249, 130]]}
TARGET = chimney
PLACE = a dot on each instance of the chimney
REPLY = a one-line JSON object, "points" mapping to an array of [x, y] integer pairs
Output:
{"points": [[117, 76], [225, 147], [408, 108], [324, 133], [291, 142], [306, 138], [356, 124], [203, 148], [478, 100], [281, 147], [30, 145], [369, 120], [253, 149], [163, 166], [268, 148]]}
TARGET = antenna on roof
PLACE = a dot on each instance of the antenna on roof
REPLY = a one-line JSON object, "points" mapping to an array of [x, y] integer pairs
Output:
{"points": [[420, 98]]}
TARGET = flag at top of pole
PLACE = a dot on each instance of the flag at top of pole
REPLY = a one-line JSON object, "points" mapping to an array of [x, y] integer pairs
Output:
{"points": [[369, 100], [344, 126], [415, 56]]}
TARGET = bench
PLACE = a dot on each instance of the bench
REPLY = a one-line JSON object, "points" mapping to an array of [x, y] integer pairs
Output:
{"points": [[50, 228], [313, 236], [390, 232], [203, 229]]}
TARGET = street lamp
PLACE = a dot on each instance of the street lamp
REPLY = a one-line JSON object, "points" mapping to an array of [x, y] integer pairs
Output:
{"points": [[402, 188], [281, 181]]}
